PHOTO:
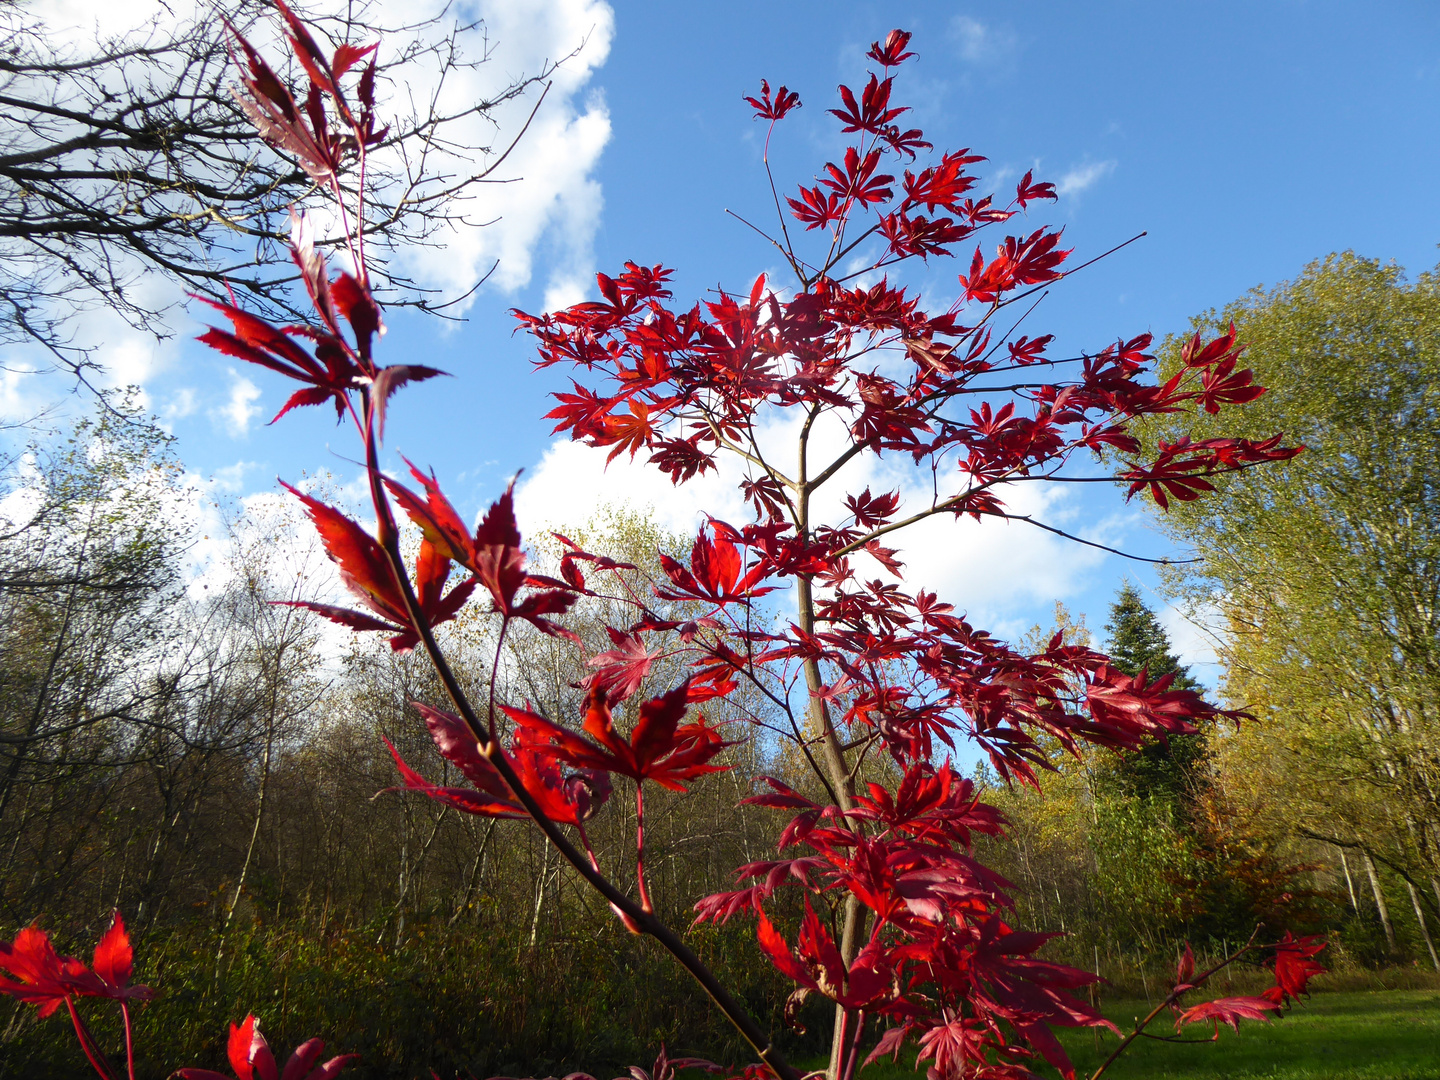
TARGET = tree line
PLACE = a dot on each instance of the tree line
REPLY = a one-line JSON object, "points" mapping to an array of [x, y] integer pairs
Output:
{"points": [[1318, 580], [206, 761]]}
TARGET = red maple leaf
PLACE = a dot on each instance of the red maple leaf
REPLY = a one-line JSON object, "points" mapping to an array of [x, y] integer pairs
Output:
{"points": [[873, 110], [820, 967], [1295, 965], [493, 554], [466, 800], [660, 748], [768, 108], [251, 1058], [566, 798], [42, 977], [1227, 1010], [892, 52], [365, 571], [490, 796], [623, 668], [1185, 967], [113, 964], [330, 372], [714, 571]]}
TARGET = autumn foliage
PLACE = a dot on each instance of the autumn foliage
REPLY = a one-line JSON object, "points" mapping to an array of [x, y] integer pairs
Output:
{"points": [[902, 929]]}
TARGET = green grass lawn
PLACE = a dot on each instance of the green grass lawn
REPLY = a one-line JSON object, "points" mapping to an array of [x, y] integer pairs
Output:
{"points": [[1385, 1035]]}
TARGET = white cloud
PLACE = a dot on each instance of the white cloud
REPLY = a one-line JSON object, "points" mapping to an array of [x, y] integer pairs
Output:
{"points": [[240, 408], [979, 43], [231, 478], [549, 201], [548, 209], [80, 22], [572, 483], [1084, 177], [182, 403], [1003, 176]]}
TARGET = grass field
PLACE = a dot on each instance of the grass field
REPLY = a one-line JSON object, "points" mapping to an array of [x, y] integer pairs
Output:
{"points": [[1385, 1035]]}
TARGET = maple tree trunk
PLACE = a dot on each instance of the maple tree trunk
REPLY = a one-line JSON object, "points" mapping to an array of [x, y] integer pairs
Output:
{"points": [[1380, 904], [842, 786], [841, 781]]}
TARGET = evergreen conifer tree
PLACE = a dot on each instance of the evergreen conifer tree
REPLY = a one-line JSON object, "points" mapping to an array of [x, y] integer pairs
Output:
{"points": [[1138, 642]]}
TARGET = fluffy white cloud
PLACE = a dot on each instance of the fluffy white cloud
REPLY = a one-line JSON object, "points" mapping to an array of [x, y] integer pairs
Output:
{"points": [[1193, 634], [181, 404], [547, 198], [1083, 177], [239, 408], [572, 483]]}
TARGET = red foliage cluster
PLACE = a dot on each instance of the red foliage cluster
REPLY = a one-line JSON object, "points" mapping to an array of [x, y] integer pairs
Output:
{"points": [[42, 977], [1293, 964], [903, 929]]}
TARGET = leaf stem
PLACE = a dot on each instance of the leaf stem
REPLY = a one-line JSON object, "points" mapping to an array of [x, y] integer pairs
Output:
{"points": [[129, 1040], [87, 1042]]}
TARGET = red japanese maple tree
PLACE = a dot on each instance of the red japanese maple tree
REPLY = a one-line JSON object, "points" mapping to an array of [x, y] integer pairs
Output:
{"points": [[902, 929]]}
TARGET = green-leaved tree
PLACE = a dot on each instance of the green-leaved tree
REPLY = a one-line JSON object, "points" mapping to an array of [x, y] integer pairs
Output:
{"points": [[1325, 570]]}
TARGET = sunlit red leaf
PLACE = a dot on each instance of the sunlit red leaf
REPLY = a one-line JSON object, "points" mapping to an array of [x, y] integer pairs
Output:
{"points": [[466, 800], [251, 1059], [660, 748], [1295, 966], [39, 976], [623, 668], [1227, 1011]]}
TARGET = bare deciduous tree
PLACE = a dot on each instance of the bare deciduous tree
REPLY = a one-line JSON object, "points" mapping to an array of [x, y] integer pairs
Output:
{"points": [[130, 157]]}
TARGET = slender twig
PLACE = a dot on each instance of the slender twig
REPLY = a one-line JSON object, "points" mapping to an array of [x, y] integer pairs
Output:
{"points": [[1173, 997], [1073, 270], [641, 885], [1093, 543], [768, 239]]}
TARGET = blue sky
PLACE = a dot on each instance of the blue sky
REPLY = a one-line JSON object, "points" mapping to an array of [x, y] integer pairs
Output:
{"points": [[1246, 139]]}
